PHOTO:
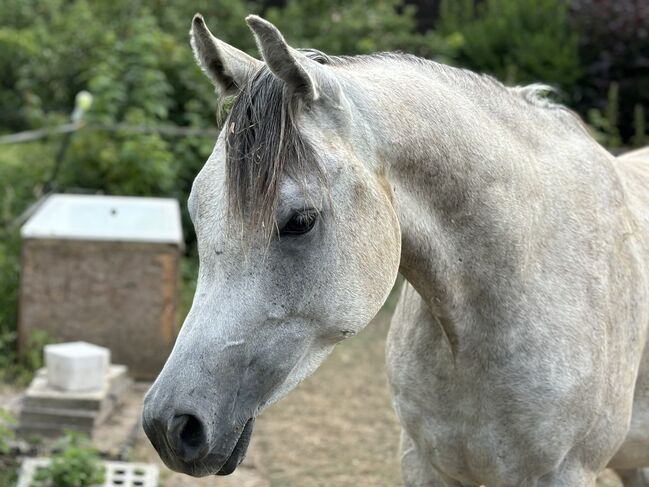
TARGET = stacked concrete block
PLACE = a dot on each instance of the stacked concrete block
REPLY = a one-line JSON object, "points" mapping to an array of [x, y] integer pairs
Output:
{"points": [[49, 411]]}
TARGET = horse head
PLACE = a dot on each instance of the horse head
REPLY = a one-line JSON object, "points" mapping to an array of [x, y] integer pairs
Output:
{"points": [[298, 241]]}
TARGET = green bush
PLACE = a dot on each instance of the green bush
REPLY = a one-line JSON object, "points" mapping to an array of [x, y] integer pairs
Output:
{"points": [[77, 465], [344, 27], [24, 168], [6, 431], [640, 135], [614, 49], [9, 281], [518, 42], [8, 464], [605, 123]]}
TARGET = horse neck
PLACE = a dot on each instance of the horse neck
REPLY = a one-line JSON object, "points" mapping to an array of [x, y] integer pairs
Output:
{"points": [[475, 169]]}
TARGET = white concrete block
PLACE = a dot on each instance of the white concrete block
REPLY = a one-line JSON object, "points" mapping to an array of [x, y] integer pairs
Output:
{"points": [[76, 366], [125, 474]]}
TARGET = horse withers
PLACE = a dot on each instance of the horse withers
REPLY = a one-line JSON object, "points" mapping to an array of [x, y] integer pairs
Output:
{"points": [[516, 355]]}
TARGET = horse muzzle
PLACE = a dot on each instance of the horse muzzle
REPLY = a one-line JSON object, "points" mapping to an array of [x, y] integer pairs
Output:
{"points": [[187, 442]]}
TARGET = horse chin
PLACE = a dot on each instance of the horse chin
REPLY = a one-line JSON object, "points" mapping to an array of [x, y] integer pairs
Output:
{"points": [[239, 451]]}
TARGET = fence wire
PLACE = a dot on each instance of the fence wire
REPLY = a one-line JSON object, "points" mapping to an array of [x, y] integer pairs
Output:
{"points": [[169, 130]]}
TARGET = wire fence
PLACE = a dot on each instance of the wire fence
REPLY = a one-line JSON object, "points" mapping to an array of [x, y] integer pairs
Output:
{"points": [[68, 128]]}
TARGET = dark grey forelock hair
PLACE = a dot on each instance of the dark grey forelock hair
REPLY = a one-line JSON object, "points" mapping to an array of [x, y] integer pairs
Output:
{"points": [[263, 144]]}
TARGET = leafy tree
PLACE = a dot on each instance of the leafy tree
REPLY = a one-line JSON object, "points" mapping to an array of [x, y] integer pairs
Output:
{"points": [[518, 41], [614, 49], [344, 27]]}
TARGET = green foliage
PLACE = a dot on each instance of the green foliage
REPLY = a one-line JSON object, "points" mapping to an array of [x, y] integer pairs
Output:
{"points": [[344, 27], [455, 15], [135, 60], [77, 465], [605, 125], [188, 276], [519, 41], [32, 358], [640, 137], [614, 48], [6, 431], [24, 168], [20, 369], [9, 280], [8, 464]]}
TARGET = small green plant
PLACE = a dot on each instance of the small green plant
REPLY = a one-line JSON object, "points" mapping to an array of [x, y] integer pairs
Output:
{"points": [[32, 359], [7, 355], [8, 463], [20, 370], [605, 125], [6, 431], [77, 465]]}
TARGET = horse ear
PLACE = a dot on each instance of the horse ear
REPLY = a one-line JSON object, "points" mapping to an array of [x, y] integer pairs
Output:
{"points": [[301, 74], [226, 66]]}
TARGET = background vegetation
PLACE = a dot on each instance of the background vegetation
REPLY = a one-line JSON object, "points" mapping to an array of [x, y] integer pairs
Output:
{"points": [[74, 464], [134, 58]]}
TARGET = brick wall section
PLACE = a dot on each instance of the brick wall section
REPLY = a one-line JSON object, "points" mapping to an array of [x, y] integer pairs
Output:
{"points": [[117, 295]]}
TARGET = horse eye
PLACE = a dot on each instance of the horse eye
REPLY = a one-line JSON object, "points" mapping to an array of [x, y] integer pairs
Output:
{"points": [[301, 222]]}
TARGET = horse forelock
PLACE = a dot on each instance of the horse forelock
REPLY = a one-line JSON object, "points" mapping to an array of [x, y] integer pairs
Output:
{"points": [[262, 144]]}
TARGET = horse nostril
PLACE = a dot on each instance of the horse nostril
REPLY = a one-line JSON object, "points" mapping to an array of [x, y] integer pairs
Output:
{"points": [[187, 437], [192, 433]]}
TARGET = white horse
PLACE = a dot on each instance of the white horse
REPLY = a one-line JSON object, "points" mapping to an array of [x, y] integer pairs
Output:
{"points": [[517, 355]]}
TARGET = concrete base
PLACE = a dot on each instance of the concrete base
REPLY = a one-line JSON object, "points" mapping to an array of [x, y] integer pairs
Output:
{"points": [[50, 412]]}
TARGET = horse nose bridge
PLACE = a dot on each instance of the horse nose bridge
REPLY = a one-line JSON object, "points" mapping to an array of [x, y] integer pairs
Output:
{"points": [[201, 383], [206, 338]]}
